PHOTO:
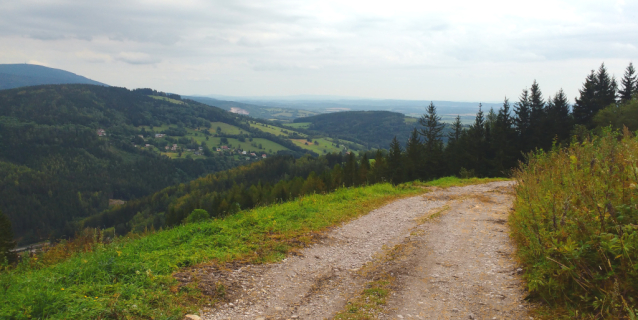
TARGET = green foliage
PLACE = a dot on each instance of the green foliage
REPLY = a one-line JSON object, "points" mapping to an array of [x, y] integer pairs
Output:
{"points": [[617, 116], [198, 215], [576, 225], [132, 277], [6, 242]]}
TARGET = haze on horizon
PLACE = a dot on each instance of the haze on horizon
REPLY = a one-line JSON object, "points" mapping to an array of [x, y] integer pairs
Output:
{"points": [[456, 51]]}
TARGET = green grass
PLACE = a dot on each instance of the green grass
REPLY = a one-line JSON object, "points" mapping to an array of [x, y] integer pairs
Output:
{"points": [[458, 182], [226, 128], [296, 125], [576, 226], [275, 130], [167, 99], [132, 277]]}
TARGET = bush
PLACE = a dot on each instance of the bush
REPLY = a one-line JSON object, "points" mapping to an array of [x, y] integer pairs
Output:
{"points": [[575, 223], [197, 215]]}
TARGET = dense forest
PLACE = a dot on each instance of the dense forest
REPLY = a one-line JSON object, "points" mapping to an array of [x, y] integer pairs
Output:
{"points": [[490, 147], [56, 167], [374, 129]]}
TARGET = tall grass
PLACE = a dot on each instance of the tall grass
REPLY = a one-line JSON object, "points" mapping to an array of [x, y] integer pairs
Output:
{"points": [[132, 277], [575, 223]]}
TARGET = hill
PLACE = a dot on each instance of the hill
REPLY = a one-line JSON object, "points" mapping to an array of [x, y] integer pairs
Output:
{"points": [[256, 111], [23, 75], [69, 150], [374, 129]]}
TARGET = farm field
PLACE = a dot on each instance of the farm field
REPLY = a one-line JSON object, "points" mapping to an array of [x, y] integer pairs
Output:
{"points": [[167, 99], [324, 145], [225, 128], [275, 130]]}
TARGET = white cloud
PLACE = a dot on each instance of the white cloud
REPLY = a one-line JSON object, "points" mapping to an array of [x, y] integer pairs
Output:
{"points": [[398, 49]]}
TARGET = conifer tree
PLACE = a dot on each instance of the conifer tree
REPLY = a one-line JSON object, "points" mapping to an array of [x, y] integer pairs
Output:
{"points": [[395, 162], [522, 121], [558, 113], [477, 145], [364, 169], [6, 240], [606, 88], [585, 107], [350, 171], [380, 168], [454, 153], [414, 156], [432, 141], [504, 139], [629, 84], [538, 137]]}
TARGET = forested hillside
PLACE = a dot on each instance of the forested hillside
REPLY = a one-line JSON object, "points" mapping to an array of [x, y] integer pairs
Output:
{"points": [[68, 149], [22, 75], [374, 129]]}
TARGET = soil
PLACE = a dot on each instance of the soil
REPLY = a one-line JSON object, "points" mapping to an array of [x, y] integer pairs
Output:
{"points": [[447, 252]]}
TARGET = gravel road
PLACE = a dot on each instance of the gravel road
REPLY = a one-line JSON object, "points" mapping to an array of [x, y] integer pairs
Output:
{"points": [[459, 264]]}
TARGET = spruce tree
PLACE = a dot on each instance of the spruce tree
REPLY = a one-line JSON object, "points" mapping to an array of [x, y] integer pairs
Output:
{"points": [[585, 107], [364, 169], [629, 84], [538, 137], [504, 138], [522, 121], [6, 240], [453, 153], [414, 156], [432, 141], [395, 162], [606, 88], [561, 120], [477, 145]]}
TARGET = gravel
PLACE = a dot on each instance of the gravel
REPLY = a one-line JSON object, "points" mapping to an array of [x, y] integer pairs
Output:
{"points": [[460, 267]]}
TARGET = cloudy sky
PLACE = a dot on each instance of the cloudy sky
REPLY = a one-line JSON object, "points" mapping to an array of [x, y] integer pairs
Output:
{"points": [[440, 50]]}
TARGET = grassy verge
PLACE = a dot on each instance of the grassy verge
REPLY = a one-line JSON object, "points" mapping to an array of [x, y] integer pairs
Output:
{"points": [[131, 278], [458, 182], [575, 223]]}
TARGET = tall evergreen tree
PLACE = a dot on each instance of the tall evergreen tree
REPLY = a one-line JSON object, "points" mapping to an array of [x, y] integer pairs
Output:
{"points": [[522, 121], [477, 144], [414, 156], [454, 153], [586, 105], [503, 142], [606, 88], [6, 240], [538, 137], [432, 141], [395, 162], [364, 169], [629, 84], [560, 117], [350, 171]]}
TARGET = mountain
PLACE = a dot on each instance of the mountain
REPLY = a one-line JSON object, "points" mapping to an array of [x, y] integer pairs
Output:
{"points": [[23, 75], [69, 151]]}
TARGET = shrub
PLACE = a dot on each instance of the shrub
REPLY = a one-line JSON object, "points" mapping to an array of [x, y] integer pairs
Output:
{"points": [[197, 215], [575, 223]]}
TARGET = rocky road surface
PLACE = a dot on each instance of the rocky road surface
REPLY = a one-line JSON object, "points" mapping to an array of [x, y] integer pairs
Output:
{"points": [[447, 252]]}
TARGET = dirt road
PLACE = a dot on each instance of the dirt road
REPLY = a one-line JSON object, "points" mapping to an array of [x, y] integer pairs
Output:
{"points": [[446, 255]]}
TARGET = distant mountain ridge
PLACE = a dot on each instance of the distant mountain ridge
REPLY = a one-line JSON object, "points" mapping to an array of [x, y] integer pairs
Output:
{"points": [[25, 75]]}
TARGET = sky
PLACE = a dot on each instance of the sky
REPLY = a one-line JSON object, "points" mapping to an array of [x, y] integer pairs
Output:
{"points": [[415, 50]]}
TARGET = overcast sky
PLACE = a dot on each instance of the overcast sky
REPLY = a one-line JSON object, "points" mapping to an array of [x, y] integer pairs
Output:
{"points": [[434, 50]]}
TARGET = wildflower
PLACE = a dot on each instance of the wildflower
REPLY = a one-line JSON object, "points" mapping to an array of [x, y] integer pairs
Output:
{"points": [[62, 289]]}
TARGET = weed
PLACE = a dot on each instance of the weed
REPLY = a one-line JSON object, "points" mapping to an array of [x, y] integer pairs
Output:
{"points": [[575, 225]]}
